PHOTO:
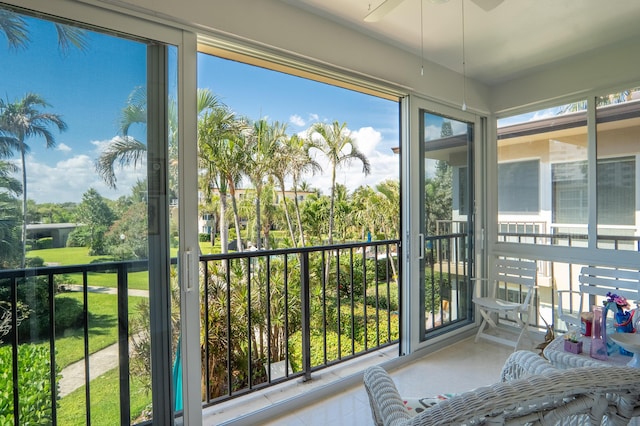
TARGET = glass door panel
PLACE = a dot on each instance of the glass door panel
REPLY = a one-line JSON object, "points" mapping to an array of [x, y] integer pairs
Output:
{"points": [[446, 177], [84, 155]]}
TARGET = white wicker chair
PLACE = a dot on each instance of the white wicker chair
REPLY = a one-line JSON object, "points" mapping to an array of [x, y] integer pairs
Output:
{"points": [[531, 392]]}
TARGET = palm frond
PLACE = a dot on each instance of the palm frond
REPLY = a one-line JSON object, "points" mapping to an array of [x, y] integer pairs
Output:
{"points": [[14, 27], [122, 150], [69, 36]]}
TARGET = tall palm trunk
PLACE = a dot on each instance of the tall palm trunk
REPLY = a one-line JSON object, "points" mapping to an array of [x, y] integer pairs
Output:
{"points": [[236, 216], [24, 206], [333, 201], [258, 226], [286, 214], [299, 217], [224, 227]]}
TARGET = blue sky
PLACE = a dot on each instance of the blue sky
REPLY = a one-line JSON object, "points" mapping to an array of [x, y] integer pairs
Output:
{"points": [[89, 88]]}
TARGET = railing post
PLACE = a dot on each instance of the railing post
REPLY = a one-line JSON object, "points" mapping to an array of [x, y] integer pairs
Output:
{"points": [[305, 291], [123, 343]]}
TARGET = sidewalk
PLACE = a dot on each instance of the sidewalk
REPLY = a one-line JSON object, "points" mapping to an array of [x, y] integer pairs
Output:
{"points": [[99, 363], [106, 290]]}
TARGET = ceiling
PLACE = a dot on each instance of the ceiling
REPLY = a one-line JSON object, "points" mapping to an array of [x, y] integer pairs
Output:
{"points": [[514, 38]]}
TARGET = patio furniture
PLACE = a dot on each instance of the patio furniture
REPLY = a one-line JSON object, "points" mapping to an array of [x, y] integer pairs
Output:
{"points": [[559, 358], [598, 281], [531, 391], [517, 278]]}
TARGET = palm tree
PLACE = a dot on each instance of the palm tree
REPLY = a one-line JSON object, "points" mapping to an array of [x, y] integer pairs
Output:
{"points": [[221, 149], [9, 206], [262, 146], [300, 163], [282, 167], [127, 150], [23, 119], [16, 29], [334, 142]]}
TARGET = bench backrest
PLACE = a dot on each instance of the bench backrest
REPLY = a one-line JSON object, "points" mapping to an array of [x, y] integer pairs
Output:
{"points": [[599, 281], [521, 272]]}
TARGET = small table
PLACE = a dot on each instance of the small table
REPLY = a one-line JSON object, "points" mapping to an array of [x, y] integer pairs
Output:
{"points": [[559, 358]]}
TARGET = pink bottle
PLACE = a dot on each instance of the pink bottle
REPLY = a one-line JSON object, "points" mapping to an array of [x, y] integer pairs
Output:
{"points": [[598, 335]]}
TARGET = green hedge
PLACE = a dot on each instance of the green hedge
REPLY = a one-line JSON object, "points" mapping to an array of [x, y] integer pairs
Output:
{"points": [[33, 383]]}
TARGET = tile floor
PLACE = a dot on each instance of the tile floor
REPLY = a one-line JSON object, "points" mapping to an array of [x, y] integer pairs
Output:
{"points": [[459, 367]]}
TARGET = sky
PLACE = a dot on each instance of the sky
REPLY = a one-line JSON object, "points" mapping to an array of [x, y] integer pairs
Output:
{"points": [[89, 89]]}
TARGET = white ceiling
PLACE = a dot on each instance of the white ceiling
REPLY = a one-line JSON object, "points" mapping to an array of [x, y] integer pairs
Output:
{"points": [[513, 39]]}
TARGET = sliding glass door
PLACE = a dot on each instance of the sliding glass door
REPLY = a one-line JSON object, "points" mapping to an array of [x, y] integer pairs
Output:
{"points": [[89, 191], [440, 194]]}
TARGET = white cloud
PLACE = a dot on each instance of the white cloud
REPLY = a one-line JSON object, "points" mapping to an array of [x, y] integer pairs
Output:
{"points": [[63, 147], [296, 120], [432, 132], [367, 139], [67, 180], [314, 117]]}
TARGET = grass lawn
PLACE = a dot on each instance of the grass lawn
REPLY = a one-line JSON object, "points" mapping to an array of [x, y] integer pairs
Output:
{"points": [[80, 256], [103, 327], [105, 402]]}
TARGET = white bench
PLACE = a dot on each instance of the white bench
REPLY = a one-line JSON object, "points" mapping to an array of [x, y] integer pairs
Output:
{"points": [[595, 283]]}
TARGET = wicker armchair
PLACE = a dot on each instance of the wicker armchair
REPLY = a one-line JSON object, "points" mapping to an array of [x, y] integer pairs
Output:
{"points": [[531, 391]]}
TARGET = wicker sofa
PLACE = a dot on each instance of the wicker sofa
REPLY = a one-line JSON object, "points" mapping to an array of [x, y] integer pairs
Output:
{"points": [[530, 391]]}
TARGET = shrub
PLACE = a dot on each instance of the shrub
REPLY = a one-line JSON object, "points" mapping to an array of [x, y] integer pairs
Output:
{"points": [[44, 243], [34, 386], [79, 237], [34, 262], [34, 294]]}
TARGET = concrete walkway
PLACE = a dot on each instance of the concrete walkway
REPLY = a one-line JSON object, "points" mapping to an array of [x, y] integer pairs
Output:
{"points": [[73, 376], [105, 290], [99, 363]]}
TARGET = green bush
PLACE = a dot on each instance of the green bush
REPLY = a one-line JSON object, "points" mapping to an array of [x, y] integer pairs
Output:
{"points": [[34, 294], [204, 238], [34, 386], [79, 237], [44, 243], [34, 262]]}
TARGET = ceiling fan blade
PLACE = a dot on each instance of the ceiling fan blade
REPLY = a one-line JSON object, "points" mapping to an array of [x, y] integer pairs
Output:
{"points": [[487, 5], [381, 11]]}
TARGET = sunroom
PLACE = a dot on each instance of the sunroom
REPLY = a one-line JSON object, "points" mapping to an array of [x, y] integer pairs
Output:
{"points": [[528, 111]]}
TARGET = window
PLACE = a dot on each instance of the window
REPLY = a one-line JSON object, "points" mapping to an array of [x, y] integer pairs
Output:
{"points": [[542, 176], [616, 191], [570, 192], [518, 187], [618, 142]]}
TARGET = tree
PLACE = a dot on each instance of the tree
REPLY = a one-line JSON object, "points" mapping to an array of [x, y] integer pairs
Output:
{"points": [[438, 200], [281, 168], [263, 142], [127, 238], [23, 119], [222, 154], [126, 150], [301, 163], [16, 29], [335, 143], [94, 213]]}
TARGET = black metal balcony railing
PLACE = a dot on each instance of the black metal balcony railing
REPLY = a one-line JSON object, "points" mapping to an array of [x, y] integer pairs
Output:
{"points": [[267, 316], [13, 282], [274, 315]]}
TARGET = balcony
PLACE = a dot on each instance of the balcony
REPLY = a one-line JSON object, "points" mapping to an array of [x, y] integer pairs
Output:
{"points": [[313, 319], [257, 316]]}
